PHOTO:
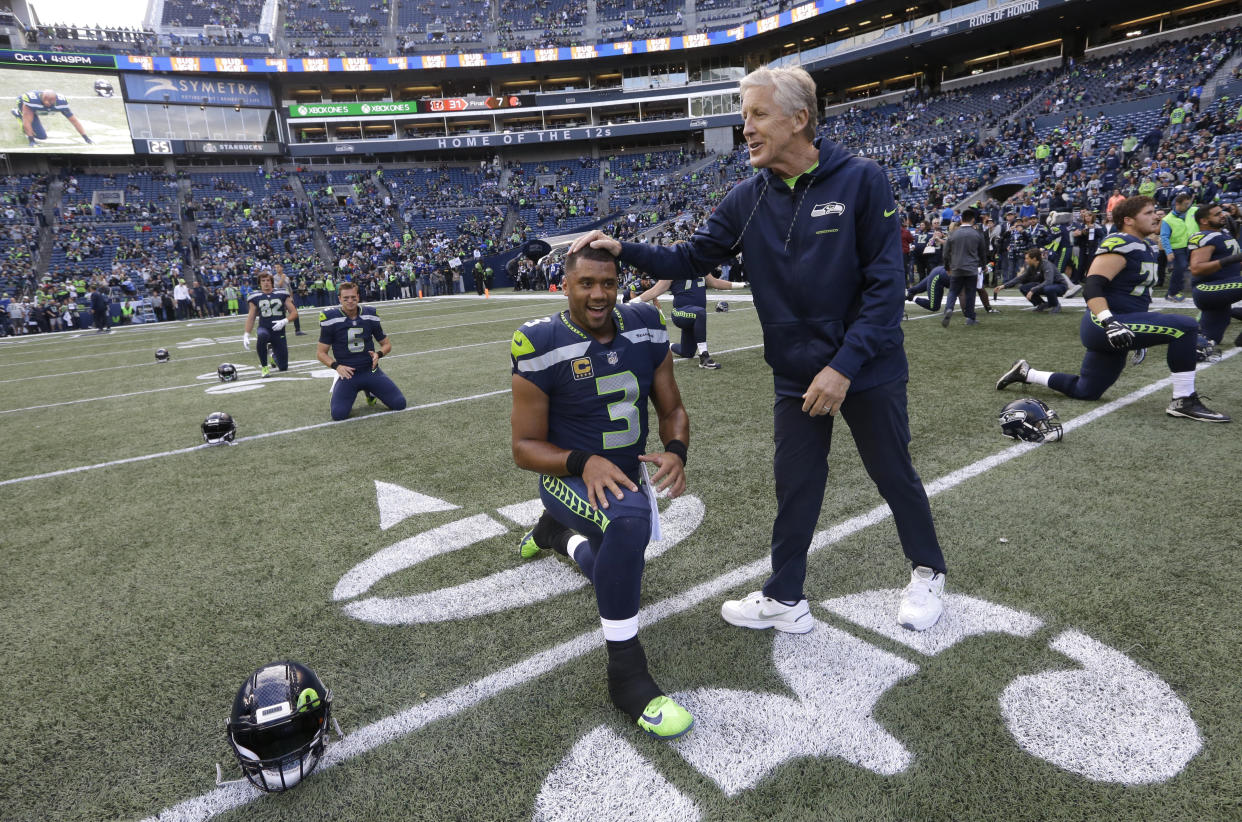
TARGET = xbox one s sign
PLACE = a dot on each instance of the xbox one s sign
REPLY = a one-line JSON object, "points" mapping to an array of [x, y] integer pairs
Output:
{"points": [[352, 109]]}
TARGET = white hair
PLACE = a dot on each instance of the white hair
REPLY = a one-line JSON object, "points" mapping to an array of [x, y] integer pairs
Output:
{"points": [[793, 90]]}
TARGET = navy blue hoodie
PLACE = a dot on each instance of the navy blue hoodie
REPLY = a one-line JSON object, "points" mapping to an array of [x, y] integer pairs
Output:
{"points": [[824, 264]]}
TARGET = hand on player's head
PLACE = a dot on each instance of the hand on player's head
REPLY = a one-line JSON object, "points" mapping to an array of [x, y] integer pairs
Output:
{"points": [[596, 239]]}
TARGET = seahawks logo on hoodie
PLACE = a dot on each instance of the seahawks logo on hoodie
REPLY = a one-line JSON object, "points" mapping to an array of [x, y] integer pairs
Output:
{"points": [[828, 209]]}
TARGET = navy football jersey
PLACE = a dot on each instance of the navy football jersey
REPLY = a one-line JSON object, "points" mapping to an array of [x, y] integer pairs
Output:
{"points": [[268, 307], [351, 338], [597, 393], [1222, 246], [1130, 290], [34, 100], [687, 293]]}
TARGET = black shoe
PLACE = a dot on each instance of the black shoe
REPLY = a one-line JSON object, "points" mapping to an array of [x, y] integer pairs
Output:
{"points": [[706, 361], [1042, 307], [971, 321], [948, 315], [1056, 309], [1192, 409], [547, 533], [1016, 373], [299, 333], [1237, 343]]}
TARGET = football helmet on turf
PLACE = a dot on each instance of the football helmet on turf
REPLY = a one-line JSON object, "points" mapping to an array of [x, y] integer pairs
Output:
{"points": [[219, 428], [1030, 420], [278, 728], [722, 306], [103, 88], [162, 355], [1205, 350], [227, 372]]}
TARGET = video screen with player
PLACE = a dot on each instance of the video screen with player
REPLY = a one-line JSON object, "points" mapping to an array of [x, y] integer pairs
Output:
{"points": [[60, 112]]}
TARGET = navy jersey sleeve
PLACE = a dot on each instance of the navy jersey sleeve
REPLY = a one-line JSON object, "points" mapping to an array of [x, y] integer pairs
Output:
{"points": [[373, 324], [653, 320], [325, 329], [535, 351]]}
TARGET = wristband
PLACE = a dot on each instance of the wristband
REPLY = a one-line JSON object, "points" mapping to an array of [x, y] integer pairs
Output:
{"points": [[1104, 316], [379, 355], [676, 447], [738, 285], [576, 462], [334, 365]]}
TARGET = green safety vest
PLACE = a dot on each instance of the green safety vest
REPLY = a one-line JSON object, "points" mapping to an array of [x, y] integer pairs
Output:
{"points": [[1180, 228]]}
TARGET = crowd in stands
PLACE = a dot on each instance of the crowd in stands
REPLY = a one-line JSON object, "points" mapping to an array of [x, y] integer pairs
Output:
{"points": [[335, 28], [128, 38], [196, 13], [541, 23], [404, 231], [440, 21]]}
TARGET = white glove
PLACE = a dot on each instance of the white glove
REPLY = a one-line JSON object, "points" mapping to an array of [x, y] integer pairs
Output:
{"points": [[279, 325], [246, 340]]}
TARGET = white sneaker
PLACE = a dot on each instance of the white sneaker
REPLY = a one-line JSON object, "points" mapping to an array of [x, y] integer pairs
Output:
{"points": [[920, 602], [758, 611]]}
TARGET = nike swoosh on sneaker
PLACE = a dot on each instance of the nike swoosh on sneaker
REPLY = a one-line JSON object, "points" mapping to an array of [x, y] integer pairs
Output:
{"points": [[765, 615]]}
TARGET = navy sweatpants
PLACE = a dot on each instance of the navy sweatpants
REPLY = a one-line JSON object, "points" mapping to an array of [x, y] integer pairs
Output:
{"points": [[344, 392], [1215, 301], [617, 538], [879, 424], [692, 320], [279, 344], [1102, 364], [962, 285]]}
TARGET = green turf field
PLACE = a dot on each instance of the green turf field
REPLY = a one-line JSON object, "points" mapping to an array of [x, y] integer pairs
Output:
{"points": [[1086, 668]]}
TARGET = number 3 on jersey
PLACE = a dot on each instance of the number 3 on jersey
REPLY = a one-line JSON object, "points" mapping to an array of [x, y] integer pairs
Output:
{"points": [[620, 410]]}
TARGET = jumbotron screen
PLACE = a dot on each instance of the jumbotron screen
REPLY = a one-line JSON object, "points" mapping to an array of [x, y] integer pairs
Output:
{"points": [[58, 112]]}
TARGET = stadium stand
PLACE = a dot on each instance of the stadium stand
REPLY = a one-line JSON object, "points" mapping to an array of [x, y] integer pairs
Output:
{"points": [[1128, 121]]}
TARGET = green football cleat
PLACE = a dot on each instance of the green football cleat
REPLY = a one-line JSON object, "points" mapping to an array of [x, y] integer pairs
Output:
{"points": [[263, 371], [372, 400], [528, 547], [665, 719]]}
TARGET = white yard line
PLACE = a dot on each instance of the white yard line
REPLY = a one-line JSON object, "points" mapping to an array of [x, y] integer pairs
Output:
{"points": [[467, 696], [145, 457], [218, 355], [392, 308], [209, 383]]}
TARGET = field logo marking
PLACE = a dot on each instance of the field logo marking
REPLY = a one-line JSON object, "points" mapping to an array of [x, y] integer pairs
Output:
{"points": [[604, 771], [517, 587], [1109, 721], [471, 694]]}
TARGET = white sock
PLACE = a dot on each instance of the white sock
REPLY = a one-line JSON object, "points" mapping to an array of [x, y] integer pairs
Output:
{"points": [[701, 349], [617, 630], [574, 542], [1038, 377], [1183, 383]]}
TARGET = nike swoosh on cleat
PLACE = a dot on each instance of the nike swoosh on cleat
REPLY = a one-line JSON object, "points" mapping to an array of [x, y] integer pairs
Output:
{"points": [[654, 720]]}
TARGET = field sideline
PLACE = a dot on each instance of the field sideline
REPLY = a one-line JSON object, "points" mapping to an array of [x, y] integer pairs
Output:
{"points": [[1082, 671]]}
